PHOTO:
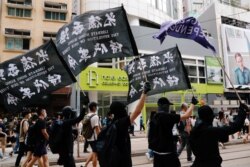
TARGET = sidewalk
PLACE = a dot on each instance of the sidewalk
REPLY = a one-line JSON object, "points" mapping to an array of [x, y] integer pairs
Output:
{"points": [[138, 144]]}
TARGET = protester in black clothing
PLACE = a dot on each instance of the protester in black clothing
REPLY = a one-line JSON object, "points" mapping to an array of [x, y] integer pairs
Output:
{"points": [[40, 150], [66, 153], [122, 122], [204, 137], [29, 144], [166, 154]]}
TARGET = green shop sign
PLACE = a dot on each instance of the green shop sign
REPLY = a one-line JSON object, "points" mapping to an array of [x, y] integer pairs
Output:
{"points": [[104, 79]]}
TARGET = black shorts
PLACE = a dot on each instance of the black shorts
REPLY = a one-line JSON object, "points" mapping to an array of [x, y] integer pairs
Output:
{"points": [[93, 146], [40, 149], [11, 139], [30, 148]]}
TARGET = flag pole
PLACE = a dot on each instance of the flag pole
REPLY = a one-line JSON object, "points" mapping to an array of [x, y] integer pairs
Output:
{"points": [[192, 90], [143, 72], [78, 136], [223, 68]]}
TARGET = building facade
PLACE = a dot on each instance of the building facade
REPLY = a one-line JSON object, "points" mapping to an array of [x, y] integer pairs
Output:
{"points": [[27, 24], [102, 82], [228, 23]]}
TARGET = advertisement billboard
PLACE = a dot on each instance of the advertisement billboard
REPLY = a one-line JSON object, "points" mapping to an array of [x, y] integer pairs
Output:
{"points": [[214, 72], [236, 49]]}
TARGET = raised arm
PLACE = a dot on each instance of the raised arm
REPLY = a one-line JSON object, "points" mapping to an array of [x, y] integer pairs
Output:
{"points": [[77, 119], [189, 111], [80, 117], [140, 105], [239, 121]]}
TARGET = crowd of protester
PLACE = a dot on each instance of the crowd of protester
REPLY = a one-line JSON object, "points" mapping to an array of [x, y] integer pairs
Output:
{"points": [[181, 127]]}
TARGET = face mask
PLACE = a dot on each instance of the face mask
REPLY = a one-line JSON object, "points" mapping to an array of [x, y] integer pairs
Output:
{"points": [[97, 108]]}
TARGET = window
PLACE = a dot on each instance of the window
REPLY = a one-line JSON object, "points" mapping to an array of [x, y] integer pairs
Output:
{"points": [[55, 5], [17, 43], [49, 35], [18, 2], [55, 15], [197, 6], [55, 11], [148, 24], [195, 69], [18, 12], [17, 39]]}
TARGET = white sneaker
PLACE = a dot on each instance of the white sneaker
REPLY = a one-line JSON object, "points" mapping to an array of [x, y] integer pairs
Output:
{"points": [[149, 157]]}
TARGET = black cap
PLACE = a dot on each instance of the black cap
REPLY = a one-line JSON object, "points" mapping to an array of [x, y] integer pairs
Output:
{"points": [[206, 113], [163, 101]]}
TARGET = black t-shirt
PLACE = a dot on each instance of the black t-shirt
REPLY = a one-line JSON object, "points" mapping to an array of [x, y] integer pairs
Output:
{"points": [[167, 121], [123, 141], [68, 140], [40, 124], [204, 140]]}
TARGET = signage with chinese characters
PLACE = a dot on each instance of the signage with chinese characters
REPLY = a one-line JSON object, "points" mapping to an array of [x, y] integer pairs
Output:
{"points": [[27, 77], [164, 70], [94, 36]]}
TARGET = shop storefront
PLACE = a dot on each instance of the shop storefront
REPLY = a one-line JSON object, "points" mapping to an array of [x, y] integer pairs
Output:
{"points": [[112, 85]]}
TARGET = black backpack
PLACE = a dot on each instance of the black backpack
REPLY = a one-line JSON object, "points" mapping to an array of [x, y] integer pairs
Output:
{"points": [[107, 151], [154, 133], [56, 137], [30, 139]]}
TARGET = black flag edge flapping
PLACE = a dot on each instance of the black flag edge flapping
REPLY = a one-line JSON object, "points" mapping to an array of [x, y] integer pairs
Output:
{"points": [[134, 46], [64, 63], [184, 69]]}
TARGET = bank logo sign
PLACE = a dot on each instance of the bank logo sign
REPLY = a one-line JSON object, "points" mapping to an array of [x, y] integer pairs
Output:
{"points": [[104, 79]]}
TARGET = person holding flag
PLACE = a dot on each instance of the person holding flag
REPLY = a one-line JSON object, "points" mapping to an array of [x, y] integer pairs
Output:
{"points": [[204, 137]]}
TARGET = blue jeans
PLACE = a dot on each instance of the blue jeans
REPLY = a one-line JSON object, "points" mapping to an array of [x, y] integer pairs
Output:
{"points": [[185, 142], [15, 149], [1, 155]]}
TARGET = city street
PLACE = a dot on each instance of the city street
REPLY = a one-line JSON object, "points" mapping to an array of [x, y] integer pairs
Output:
{"points": [[157, 70], [233, 155]]}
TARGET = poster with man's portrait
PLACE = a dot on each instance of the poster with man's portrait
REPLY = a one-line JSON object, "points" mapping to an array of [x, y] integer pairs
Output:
{"points": [[236, 49]]}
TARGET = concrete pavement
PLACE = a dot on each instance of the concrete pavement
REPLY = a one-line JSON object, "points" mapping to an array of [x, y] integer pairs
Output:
{"points": [[138, 144]]}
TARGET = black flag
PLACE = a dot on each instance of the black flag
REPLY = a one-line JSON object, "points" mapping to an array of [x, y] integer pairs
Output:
{"points": [[94, 36], [27, 77], [165, 71]]}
